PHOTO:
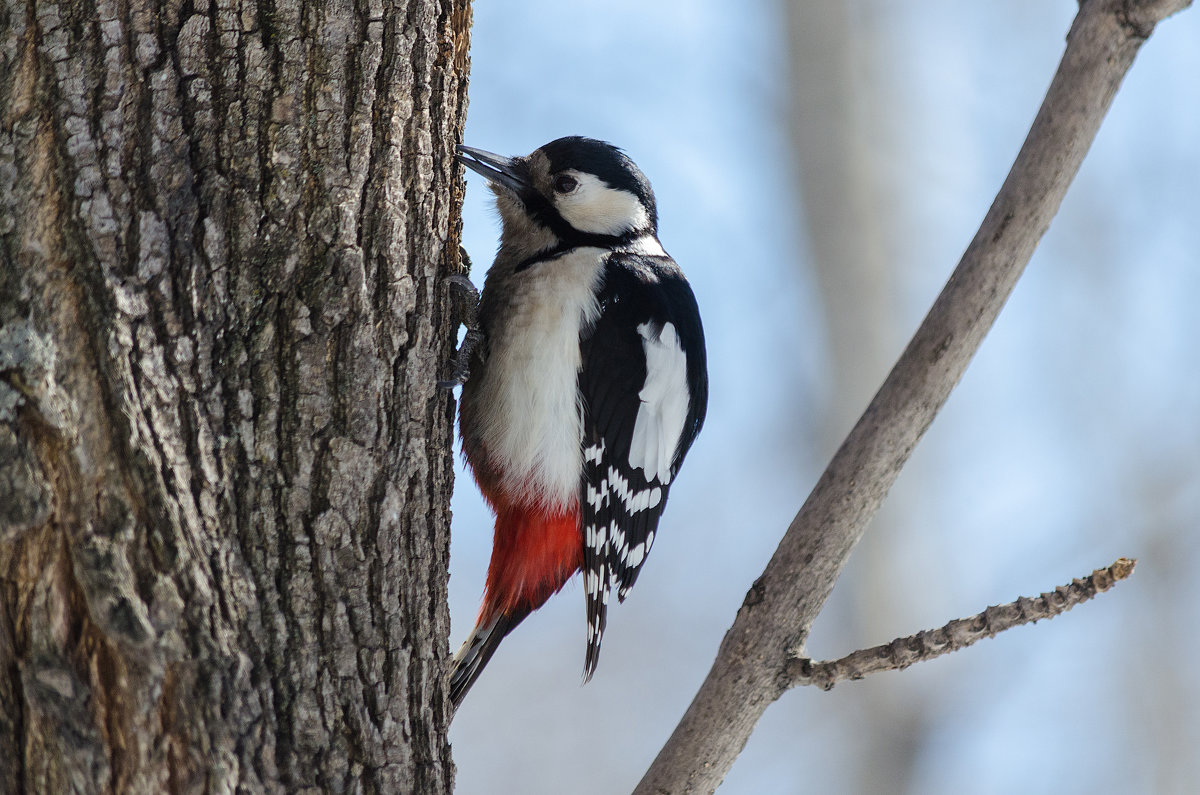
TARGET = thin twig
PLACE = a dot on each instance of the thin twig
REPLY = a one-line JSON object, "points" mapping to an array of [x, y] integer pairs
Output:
{"points": [[749, 672], [958, 634]]}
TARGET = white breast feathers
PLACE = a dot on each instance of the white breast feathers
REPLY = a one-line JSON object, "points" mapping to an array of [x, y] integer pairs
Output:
{"points": [[531, 416]]}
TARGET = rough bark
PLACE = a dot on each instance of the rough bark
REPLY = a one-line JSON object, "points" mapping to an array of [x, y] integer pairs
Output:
{"points": [[750, 671], [224, 465]]}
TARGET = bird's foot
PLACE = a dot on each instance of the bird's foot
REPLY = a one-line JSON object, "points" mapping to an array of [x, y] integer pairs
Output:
{"points": [[462, 360], [468, 295], [468, 300]]}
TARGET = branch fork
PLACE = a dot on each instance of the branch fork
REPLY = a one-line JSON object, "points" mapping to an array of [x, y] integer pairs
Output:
{"points": [[754, 660]]}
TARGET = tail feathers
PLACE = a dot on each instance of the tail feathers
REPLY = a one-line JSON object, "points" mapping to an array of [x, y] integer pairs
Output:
{"points": [[473, 655], [596, 585], [534, 553]]}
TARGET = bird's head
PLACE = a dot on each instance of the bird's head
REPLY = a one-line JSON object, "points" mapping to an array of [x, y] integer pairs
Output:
{"points": [[573, 190]]}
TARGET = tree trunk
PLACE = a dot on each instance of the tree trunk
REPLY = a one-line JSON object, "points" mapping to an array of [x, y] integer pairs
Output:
{"points": [[224, 463]]}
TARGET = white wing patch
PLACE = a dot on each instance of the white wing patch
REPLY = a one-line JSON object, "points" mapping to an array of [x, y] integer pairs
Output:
{"points": [[663, 412]]}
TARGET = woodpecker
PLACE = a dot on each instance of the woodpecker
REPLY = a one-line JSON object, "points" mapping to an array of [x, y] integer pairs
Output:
{"points": [[586, 389]]}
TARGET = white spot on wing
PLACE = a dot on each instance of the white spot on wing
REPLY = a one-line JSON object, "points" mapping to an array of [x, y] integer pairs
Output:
{"points": [[617, 537], [632, 501], [663, 412], [596, 497], [594, 453]]}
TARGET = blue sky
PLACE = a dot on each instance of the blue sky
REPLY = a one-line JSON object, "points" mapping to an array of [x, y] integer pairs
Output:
{"points": [[1073, 439]]}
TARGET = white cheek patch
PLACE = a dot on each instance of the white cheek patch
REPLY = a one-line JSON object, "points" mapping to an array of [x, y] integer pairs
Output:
{"points": [[661, 417], [595, 207]]}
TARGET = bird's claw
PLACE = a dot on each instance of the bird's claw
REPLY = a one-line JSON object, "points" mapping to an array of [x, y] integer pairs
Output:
{"points": [[469, 297], [462, 360], [462, 281]]}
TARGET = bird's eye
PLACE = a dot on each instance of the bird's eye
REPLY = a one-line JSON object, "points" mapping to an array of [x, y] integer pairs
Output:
{"points": [[564, 183]]}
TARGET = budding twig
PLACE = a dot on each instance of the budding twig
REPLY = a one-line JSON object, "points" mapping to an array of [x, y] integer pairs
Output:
{"points": [[958, 634]]}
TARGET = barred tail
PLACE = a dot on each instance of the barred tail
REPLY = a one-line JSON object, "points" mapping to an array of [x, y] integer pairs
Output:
{"points": [[473, 655]]}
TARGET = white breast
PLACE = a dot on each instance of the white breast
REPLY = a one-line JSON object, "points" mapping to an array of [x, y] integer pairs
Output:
{"points": [[530, 410]]}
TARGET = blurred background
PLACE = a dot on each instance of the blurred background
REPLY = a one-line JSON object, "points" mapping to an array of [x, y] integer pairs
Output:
{"points": [[820, 166]]}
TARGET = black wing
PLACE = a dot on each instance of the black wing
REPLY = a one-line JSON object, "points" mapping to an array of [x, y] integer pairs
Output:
{"points": [[644, 385]]}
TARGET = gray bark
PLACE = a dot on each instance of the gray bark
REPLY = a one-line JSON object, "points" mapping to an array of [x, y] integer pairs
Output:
{"points": [[750, 671], [224, 466]]}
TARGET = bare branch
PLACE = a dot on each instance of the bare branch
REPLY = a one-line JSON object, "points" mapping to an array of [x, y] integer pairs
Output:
{"points": [[958, 634], [749, 672]]}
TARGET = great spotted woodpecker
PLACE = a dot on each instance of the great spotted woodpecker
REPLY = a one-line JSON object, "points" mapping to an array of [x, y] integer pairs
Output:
{"points": [[586, 389]]}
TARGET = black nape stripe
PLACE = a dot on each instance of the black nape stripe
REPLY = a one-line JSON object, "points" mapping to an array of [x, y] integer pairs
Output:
{"points": [[613, 168]]}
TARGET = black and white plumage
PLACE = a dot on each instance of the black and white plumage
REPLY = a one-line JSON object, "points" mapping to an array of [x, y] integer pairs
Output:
{"points": [[587, 390], [645, 388]]}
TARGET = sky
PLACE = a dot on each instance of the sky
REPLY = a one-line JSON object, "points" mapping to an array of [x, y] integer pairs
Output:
{"points": [[1073, 439]]}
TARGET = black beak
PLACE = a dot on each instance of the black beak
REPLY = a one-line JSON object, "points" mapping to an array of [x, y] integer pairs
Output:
{"points": [[509, 172]]}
